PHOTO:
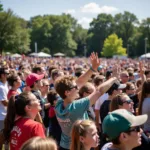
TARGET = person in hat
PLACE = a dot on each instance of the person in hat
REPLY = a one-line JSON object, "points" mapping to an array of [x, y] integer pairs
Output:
{"points": [[123, 129], [33, 81]]}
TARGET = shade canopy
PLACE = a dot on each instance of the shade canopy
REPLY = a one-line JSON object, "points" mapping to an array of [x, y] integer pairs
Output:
{"points": [[42, 54], [16, 55], [59, 55], [145, 55]]}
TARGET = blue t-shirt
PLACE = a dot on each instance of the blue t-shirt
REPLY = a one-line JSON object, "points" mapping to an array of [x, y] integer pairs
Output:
{"points": [[67, 116]]}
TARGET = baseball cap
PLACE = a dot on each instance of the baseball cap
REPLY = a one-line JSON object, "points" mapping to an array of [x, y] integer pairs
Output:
{"points": [[31, 78], [119, 121], [116, 86]]}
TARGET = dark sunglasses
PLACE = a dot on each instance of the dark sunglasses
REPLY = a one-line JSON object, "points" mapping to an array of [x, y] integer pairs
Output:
{"points": [[76, 87], [128, 101], [135, 129]]}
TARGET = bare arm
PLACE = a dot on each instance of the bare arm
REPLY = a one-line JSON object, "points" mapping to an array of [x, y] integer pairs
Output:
{"points": [[101, 90], [85, 77], [4, 102]]}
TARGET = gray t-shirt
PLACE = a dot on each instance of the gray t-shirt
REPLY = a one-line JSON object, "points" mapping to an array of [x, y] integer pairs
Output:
{"points": [[107, 147], [146, 110]]}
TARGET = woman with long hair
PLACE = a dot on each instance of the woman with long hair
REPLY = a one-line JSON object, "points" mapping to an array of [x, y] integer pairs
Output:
{"points": [[84, 135], [19, 125]]}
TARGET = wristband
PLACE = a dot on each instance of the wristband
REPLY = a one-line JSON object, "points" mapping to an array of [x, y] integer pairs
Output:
{"points": [[92, 69]]}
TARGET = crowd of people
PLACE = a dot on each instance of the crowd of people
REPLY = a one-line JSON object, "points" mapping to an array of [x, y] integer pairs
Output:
{"points": [[74, 103]]}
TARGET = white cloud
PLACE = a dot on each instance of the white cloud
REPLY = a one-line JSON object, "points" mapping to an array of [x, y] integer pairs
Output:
{"points": [[70, 11], [95, 8], [85, 22]]}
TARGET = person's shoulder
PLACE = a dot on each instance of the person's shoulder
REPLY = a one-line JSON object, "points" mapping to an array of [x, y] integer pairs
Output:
{"points": [[107, 146]]}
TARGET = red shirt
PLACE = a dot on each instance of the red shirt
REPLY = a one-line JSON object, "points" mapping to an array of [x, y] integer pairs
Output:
{"points": [[24, 129], [11, 93]]}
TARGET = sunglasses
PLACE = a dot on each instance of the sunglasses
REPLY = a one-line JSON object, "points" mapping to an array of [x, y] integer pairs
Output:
{"points": [[74, 87], [135, 129], [128, 101]]}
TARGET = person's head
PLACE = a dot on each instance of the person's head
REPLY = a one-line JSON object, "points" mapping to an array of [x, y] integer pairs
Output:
{"points": [[124, 76], [84, 135], [147, 73], [130, 88], [116, 88], [122, 101], [131, 76], [56, 73], [51, 68], [86, 89], [24, 105], [122, 128], [79, 71], [52, 97], [145, 93], [44, 86], [14, 80], [4, 72], [98, 79], [33, 80], [38, 143], [38, 69], [139, 83], [108, 74], [66, 87]]}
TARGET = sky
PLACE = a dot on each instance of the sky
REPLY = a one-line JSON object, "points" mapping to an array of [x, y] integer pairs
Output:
{"points": [[82, 10]]}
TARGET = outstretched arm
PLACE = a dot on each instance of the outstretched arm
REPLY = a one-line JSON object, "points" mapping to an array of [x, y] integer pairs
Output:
{"points": [[95, 62], [103, 88]]}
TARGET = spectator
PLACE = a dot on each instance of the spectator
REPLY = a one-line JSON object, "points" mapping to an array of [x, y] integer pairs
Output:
{"points": [[38, 143], [19, 123], [84, 135], [123, 130]]}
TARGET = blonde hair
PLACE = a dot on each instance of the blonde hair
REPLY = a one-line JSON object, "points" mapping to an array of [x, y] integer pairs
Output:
{"points": [[80, 128], [38, 143]]}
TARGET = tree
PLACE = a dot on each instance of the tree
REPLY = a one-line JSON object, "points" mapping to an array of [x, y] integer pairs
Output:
{"points": [[113, 46], [14, 36], [80, 37], [124, 26], [53, 32], [100, 28], [1, 7]]}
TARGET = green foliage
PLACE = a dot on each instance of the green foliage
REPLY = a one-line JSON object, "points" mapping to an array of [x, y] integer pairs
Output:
{"points": [[113, 46], [100, 28], [13, 36], [1, 7], [45, 50]]}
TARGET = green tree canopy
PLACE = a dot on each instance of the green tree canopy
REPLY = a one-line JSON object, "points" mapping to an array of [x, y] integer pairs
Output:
{"points": [[14, 36], [113, 46]]}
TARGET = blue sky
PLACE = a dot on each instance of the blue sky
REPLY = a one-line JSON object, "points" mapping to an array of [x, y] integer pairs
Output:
{"points": [[83, 10]]}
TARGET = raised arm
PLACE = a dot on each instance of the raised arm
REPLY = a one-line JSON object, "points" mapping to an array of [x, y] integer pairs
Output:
{"points": [[103, 88], [95, 62]]}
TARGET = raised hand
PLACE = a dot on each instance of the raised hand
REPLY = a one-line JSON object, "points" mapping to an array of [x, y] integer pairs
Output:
{"points": [[95, 61]]}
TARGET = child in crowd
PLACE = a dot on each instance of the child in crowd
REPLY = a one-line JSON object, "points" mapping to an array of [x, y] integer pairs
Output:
{"points": [[84, 135]]}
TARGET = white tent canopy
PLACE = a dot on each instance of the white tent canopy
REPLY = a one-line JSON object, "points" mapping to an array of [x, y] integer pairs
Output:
{"points": [[59, 54], [16, 55], [33, 54], [42, 54], [145, 55]]}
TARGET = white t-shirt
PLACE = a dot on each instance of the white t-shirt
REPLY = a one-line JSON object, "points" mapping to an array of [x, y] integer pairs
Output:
{"points": [[99, 103], [3, 96]]}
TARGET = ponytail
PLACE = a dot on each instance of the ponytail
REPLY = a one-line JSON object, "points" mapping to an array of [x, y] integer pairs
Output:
{"points": [[10, 118]]}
